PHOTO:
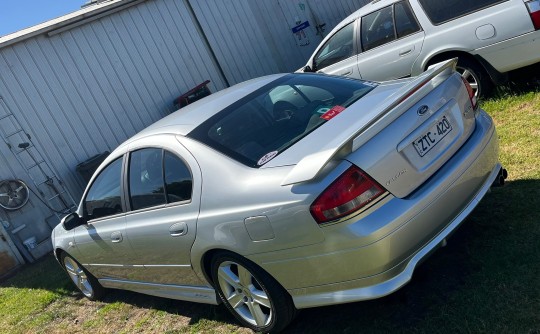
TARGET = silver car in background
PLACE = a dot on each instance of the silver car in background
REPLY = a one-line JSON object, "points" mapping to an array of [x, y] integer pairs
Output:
{"points": [[391, 39], [285, 192]]}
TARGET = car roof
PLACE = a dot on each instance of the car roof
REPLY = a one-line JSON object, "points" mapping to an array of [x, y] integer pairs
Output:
{"points": [[182, 121]]}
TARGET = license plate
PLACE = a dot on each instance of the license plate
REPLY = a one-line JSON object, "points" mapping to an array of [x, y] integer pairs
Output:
{"points": [[432, 136]]}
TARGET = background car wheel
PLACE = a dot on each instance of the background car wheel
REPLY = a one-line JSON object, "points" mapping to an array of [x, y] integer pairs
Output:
{"points": [[83, 280], [476, 75], [256, 299]]}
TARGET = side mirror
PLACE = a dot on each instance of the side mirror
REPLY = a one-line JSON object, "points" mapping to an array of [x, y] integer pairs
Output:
{"points": [[71, 221], [308, 69]]}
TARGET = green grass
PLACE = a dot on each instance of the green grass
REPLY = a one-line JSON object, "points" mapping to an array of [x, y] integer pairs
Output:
{"points": [[487, 280]]}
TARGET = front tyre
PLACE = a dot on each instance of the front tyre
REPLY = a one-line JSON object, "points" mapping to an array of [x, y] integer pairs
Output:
{"points": [[83, 280], [256, 299]]}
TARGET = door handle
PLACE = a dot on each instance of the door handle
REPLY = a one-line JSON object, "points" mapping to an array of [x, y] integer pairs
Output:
{"points": [[178, 229], [345, 73], [116, 237], [405, 52]]}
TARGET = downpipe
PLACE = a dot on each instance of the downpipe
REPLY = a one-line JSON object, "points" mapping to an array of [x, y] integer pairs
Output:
{"points": [[499, 180]]}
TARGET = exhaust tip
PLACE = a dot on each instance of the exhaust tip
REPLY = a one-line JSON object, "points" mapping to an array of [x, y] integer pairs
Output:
{"points": [[499, 180]]}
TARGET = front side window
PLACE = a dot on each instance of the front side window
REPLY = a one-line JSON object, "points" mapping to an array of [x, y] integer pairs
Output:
{"points": [[146, 187], [266, 122], [442, 11], [339, 47], [104, 196]]}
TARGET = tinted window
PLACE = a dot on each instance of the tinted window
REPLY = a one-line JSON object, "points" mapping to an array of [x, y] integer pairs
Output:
{"points": [[441, 11], [266, 122], [377, 28], [337, 48], [146, 178], [178, 181], [405, 21], [104, 196]]}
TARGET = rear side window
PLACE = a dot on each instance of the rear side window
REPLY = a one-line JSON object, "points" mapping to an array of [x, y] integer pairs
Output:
{"points": [[266, 122], [405, 21], [146, 178], [442, 11], [157, 177], [377, 28], [388, 24], [178, 180]]}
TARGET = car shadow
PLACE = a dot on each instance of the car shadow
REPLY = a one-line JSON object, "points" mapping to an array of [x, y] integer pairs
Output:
{"points": [[500, 232], [520, 81]]}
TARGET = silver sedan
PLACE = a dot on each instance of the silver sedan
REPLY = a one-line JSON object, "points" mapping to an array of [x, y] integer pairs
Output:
{"points": [[285, 192]]}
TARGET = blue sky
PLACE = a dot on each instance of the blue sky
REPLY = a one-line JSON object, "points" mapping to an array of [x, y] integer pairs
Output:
{"points": [[19, 14]]}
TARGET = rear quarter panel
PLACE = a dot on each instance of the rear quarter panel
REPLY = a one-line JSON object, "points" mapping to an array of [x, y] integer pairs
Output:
{"points": [[467, 33]]}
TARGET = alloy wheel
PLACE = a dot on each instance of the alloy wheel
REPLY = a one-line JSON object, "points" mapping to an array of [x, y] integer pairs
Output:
{"points": [[245, 294], [78, 276], [471, 78]]}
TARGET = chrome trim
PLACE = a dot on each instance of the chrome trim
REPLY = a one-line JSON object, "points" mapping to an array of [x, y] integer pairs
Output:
{"points": [[167, 265], [393, 284], [199, 294]]}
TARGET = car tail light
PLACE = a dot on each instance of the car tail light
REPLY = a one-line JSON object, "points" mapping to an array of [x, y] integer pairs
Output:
{"points": [[352, 191], [472, 96], [534, 11]]}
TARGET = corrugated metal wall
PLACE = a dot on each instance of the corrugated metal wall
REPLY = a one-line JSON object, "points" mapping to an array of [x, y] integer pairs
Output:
{"points": [[81, 91], [254, 38]]}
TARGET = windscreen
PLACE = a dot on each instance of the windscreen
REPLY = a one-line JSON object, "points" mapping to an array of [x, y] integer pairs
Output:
{"points": [[265, 123]]}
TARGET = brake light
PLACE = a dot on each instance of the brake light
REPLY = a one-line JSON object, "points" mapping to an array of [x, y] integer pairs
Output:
{"points": [[352, 191], [534, 11], [472, 96]]}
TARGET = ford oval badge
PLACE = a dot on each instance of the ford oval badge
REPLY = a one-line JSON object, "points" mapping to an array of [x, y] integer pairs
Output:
{"points": [[422, 110]]}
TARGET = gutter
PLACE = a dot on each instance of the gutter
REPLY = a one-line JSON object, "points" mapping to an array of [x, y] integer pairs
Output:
{"points": [[69, 21]]}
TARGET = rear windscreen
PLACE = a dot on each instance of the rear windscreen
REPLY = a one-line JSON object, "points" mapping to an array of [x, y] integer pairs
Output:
{"points": [[266, 122]]}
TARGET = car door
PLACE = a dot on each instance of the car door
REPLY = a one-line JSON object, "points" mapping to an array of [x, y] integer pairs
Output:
{"points": [[100, 244], [163, 202], [337, 55], [391, 41]]}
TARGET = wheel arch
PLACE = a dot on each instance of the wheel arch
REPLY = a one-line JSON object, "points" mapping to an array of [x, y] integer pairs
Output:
{"points": [[494, 75], [58, 254], [206, 264]]}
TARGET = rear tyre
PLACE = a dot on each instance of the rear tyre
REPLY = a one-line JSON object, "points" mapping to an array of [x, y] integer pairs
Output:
{"points": [[476, 75], [87, 284], [256, 299]]}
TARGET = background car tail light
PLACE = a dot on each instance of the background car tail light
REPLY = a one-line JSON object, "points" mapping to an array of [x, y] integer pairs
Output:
{"points": [[534, 10], [472, 96], [350, 192]]}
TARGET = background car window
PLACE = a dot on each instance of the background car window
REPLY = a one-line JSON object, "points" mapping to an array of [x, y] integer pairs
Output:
{"points": [[405, 21], [104, 196], [377, 28], [339, 47], [146, 187], [441, 11], [178, 180]]}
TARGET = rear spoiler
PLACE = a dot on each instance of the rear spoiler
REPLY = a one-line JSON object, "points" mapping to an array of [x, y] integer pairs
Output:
{"points": [[344, 143]]}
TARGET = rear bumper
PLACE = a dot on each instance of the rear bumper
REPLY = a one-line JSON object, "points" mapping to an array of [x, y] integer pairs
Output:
{"points": [[513, 53], [374, 254]]}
